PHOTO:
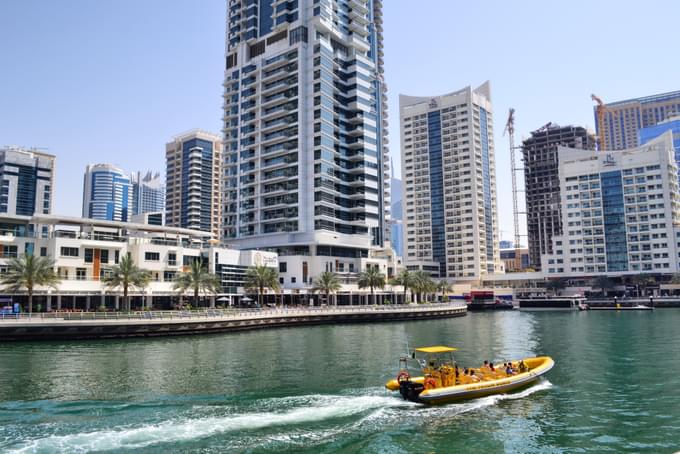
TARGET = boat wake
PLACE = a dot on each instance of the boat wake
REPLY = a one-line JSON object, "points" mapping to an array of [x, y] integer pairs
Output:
{"points": [[266, 423]]}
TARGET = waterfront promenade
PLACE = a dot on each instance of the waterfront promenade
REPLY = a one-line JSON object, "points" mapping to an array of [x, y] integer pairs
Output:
{"points": [[98, 325]]}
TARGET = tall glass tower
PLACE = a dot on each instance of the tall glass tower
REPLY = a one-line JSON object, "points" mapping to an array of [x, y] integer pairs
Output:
{"points": [[305, 156], [106, 193]]}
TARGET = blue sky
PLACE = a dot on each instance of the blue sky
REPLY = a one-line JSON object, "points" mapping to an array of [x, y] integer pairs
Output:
{"points": [[113, 80]]}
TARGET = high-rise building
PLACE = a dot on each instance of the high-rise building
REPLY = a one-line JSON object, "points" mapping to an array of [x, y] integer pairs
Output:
{"points": [[671, 124], [193, 193], [449, 177], [542, 183], [106, 193], [26, 181], [396, 217], [620, 212], [148, 193], [623, 119], [306, 168]]}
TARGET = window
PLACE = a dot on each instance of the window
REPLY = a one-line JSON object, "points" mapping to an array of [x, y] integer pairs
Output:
{"points": [[9, 251], [152, 256], [116, 256], [283, 267], [292, 280], [89, 254], [104, 256], [69, 251], [172, 259], [169, 276], [81, 274], [43, 252]]}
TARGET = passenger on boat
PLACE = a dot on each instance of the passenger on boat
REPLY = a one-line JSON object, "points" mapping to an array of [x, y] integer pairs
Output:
{"points": [[523, 367], [491, 367], [509, 370]]}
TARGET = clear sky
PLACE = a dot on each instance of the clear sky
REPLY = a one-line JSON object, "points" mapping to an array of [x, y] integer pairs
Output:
{"points": [[113, 80]]}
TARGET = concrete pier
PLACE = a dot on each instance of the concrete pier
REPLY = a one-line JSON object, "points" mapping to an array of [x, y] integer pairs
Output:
{"points": [[102, 325]]}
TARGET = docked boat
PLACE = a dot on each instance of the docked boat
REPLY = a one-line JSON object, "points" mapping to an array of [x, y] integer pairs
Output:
{"points": [[443, 381], [568, 303]]}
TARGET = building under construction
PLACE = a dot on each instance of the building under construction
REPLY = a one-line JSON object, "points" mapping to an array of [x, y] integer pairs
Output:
{"points": [[542, 183]]}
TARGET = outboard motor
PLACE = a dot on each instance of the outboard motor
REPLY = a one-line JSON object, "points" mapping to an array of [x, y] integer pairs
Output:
{"points": [[410, 390]]}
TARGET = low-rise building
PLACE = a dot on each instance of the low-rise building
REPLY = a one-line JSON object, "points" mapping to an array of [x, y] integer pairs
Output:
{"points": [[85, 251]]}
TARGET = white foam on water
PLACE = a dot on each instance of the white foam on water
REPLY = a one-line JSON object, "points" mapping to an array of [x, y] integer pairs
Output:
{"points": [[319, 409], [382, 409]]}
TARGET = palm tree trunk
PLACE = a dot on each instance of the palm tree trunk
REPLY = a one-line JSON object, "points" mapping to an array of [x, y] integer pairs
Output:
{"points": [[259, 296], [30, 300], [372, 295], [126, 298], [196, 297], [404, 302]]}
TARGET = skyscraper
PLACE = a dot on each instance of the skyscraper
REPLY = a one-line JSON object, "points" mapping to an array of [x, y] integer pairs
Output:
{"points": [[623, 119], [305, 133], [106, 193], [148, 193], [449, 177], [542, 183], [193, 197], [26, 181]]}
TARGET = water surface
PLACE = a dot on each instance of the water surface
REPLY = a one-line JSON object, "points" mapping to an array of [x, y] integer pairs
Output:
{"points": [[615, 388]]}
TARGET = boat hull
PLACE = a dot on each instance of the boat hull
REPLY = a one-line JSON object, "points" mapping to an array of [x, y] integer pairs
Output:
{"points": [[437, 396]]}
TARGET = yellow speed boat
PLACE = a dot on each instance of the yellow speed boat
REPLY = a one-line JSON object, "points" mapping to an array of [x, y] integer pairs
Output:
{"points": [[443, 381]]}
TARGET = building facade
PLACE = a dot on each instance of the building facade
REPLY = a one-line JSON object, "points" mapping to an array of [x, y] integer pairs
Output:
{"points": [[27, 181], [623, 119], [542, 183], [305, 162], [449, 180], [148, 193], [193, 192], [620, 212], [515, 260], [85, 250], [107, 193]]}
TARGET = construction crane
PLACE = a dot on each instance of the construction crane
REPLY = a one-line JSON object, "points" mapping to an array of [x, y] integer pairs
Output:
{"points": [[600, 110], [510, 129]]}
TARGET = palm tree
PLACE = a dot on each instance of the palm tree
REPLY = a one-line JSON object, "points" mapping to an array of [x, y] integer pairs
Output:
{"points": [[405, 279], [28, 271], [198, 279], [643, 281], [127, 275], [556, 285], [444, 288], [260, 278], [371, 278], [328, 283], [603, 283], [422, 283]]}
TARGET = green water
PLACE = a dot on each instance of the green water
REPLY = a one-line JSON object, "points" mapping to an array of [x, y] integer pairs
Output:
{"points": [[615, 388]]}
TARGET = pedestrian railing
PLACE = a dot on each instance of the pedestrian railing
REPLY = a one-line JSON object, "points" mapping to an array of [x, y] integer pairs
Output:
{"points": [[233, 313]]}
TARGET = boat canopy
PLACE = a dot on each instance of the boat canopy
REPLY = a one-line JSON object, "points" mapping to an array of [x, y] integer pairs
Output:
{"points": [[436, 349]]}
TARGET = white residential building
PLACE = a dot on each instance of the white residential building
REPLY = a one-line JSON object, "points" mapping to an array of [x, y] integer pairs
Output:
{"points": [[449, 181], [620, 212], [306, 162], [85, 250]]}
